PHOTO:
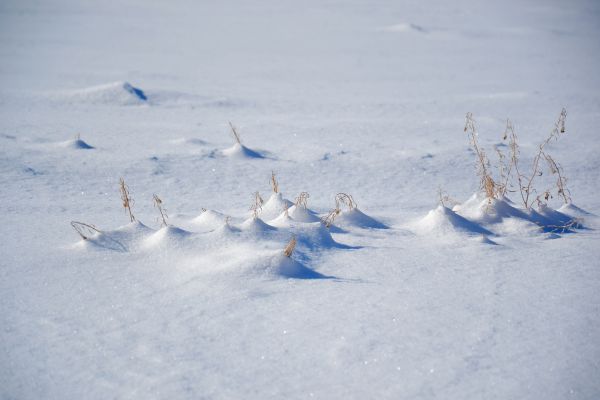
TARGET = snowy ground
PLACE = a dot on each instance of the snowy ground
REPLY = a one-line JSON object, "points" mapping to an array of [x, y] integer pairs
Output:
{"points": [[358, 97]]}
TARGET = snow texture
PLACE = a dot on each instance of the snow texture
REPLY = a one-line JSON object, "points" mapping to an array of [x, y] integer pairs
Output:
{"points": [[401, 298]]}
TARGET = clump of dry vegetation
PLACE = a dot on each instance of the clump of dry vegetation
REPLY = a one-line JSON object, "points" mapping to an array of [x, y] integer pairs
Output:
{"points": [[289, 249], [510, 170], [341, 199], [302, 200], [126, 198]]}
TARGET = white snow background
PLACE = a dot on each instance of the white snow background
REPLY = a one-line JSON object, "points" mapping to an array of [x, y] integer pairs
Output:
{"points": [[362, 97]]}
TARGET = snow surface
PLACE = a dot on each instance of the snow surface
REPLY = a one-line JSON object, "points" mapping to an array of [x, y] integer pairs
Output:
{"points": [[365, 98]]}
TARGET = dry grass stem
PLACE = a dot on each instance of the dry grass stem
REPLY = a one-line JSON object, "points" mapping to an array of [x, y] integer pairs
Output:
{"points": [[274, 183], [85, 230], [126, 198], [289, 249], [487, 183], [236, 135], [158, 203], [256, 207]]}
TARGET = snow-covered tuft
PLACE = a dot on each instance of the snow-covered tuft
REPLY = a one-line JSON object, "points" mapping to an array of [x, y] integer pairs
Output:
{"points": [[76, 144], [240, 151]]}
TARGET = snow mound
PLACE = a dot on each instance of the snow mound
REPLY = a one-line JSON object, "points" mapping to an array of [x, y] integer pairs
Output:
{"points": [[443, 220], [274, 207], [189, 141], [209, 220], [240, 151], [167, 236], [572, 210], [404, 27], [256, 225], [225, 231], [76, 144], [286, 267], [282, 221], [124, 238], [482, 210], [358, 219], [315, 236], [303, 214], [117, 93], [494, 211]]}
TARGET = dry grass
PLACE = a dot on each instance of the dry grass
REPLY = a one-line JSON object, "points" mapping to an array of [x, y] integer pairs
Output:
{"points": [[85, 230], [289, 249], [126, 198], [525, 181], [256, 206], [509, 166], [274, 183], [487, 183], [302, 200], [158, 203], [236, 135], [341, 199]]}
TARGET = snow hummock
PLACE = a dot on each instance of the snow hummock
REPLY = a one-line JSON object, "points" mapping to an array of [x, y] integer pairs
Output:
{"points": [[443, 220], [76, 144], [302, 214], [168, 236], [280, 265], [503, 211], [358, 219], [116, 93], [125, 238], [209, 220], [274, 206], [256, 225], [240, 151], [572, 210]]}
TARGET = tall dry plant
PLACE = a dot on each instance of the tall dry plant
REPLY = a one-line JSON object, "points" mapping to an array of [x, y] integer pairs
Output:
{"points": [[525, 181], [486, 182], [126, 198], [158, 203]]}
